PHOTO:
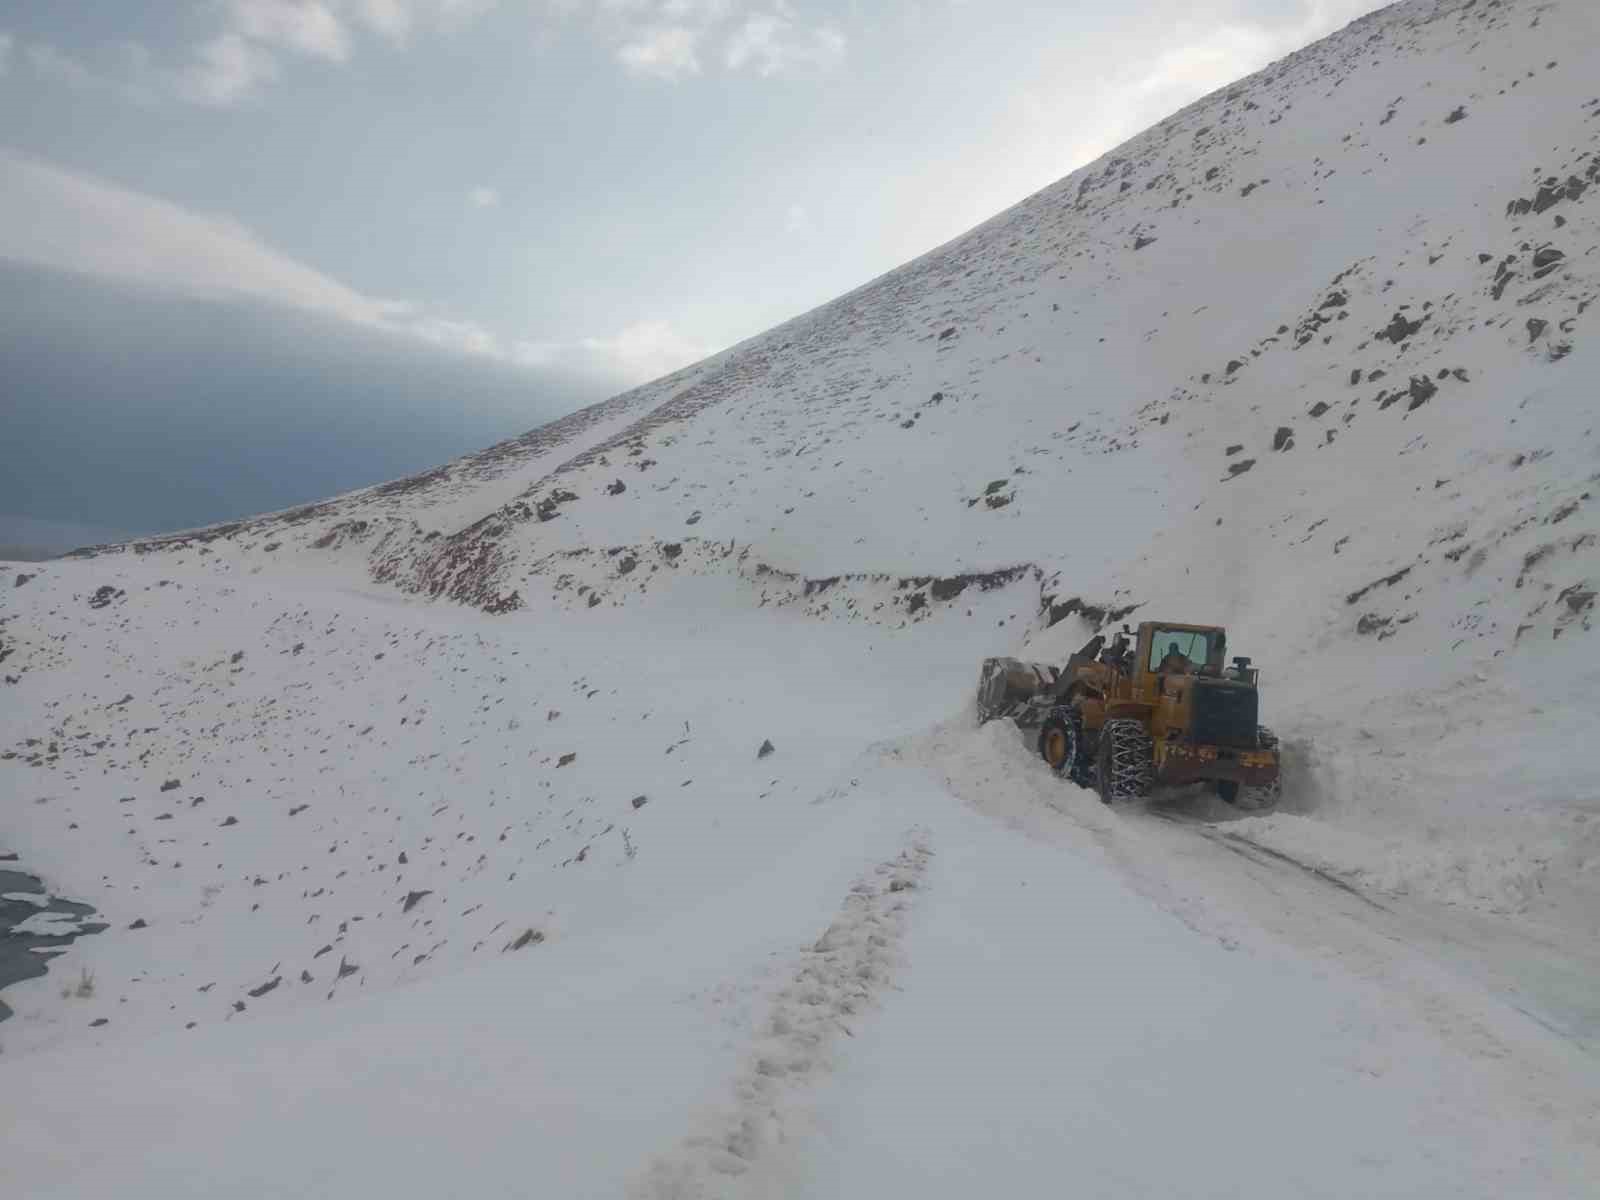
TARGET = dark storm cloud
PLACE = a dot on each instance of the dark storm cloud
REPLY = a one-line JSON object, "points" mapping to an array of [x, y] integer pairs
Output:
{"points": [[140, 412]]}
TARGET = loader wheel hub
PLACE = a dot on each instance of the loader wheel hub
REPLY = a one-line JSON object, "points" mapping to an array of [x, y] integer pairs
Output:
{"points": [[1055, 747]]}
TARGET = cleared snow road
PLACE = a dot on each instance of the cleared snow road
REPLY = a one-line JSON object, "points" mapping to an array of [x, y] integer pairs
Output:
{"points": [[1233, 1025]]}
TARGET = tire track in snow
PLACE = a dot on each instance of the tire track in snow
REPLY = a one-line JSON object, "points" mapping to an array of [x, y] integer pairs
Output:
{"points": [[837, 981]]}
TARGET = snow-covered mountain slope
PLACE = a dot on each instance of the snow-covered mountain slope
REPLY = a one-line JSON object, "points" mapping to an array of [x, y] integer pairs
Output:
{"points": [[430, 821]]}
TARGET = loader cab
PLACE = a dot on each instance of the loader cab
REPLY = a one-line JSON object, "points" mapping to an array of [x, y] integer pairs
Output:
{"points": [[1165, 649]]}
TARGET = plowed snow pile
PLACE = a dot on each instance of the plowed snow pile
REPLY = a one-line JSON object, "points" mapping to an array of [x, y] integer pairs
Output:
{"points": [[443, 850]]}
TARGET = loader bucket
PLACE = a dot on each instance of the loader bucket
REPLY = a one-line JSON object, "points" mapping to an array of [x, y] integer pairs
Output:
{"points": [[1005, 685]]}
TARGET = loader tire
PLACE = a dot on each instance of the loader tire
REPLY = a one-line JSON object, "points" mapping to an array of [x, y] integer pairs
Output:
{"points": [[1259, 799], [1126, 761], [1061, 744]]}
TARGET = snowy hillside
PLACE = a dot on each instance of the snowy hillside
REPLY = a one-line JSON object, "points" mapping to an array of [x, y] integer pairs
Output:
{"points": [[436, 840]]}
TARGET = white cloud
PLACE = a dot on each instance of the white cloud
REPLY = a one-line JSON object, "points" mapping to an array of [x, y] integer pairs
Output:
{"points": [[771, 44], [796, 220], [55, 218], [226, 70], [64, 221], [484, 197], [306, 27], [643, 351], [666, 53]]}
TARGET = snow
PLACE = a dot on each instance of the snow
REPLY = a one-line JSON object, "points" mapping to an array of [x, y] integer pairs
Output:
{"points": [[429, 824]]}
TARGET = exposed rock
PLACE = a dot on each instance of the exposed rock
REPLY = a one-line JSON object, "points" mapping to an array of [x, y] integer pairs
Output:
{"points": [[1422, 390], [528, 937], [140, 923], [414, 898], [1139, 243], [22, 579], [1547, 260], [616, 489], [1234, 449], [228, 821], [640, 801], [256, 993], [1233, 365], [1386, 581], [1400, 328], [766, 748], [1319, 408], [1371, 623], [104, 596], [1460, 114], [346, 968], [171, 785], [626, 566], [995, 486], [1283, 439], [1577, 597], [1239, 468], [1355, 377], [567, 759], [1536, 328]]}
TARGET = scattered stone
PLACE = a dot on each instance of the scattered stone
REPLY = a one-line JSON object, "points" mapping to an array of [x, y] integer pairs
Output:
{"points": [[1371, 623], [1139, 243], [640, 801], [1355, 377], [996, 486], [139, 923], [346, 968], [567, 759], [1422, 389], [1233, 365], [617, 488], [99, 1021], [948, 334], [305, 975], [1460, 114], [1239, 468], [22, 579], [413, 899], [1234, 449], [1536, 328], [104, 596], [229, 821], [256, 993], [766, 748], [1319, 408], [1283, 439], [528, 937], [626, 566], [171, 785]]}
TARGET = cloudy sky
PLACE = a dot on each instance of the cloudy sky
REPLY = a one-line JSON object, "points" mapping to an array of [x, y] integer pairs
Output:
{"points": [[254, 251]]}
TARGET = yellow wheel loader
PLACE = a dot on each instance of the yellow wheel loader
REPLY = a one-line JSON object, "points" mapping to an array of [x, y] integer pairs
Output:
{"points": [[1152, 707]]}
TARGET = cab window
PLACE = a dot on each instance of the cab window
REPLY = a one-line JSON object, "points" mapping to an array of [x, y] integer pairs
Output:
{"points": [[1196, 647]]}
